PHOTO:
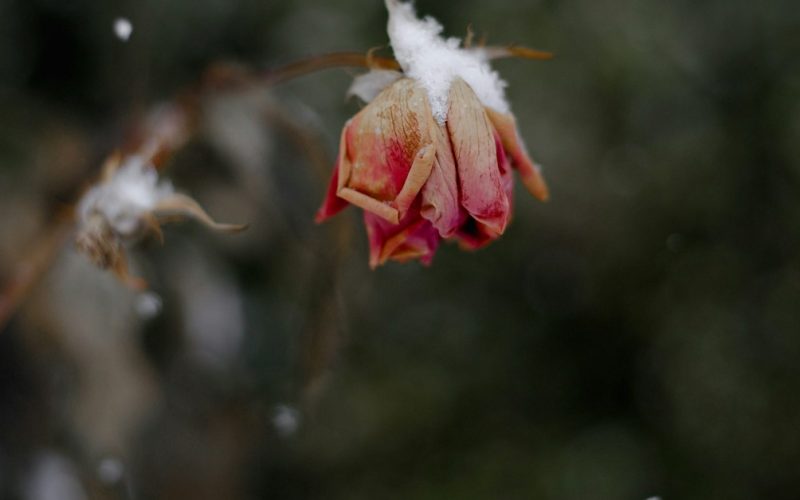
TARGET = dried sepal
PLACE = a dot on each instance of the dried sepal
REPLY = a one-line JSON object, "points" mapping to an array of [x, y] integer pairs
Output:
{"points": [[530, 173], [179, 206], [110, 167], [98, 242]]}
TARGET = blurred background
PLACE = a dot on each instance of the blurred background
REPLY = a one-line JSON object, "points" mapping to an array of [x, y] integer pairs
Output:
{"points": [[635, 337]]}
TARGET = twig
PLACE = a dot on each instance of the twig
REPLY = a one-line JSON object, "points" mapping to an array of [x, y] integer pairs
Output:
{"points": [[494, 52], [160, 140], [27, 273], [327, 61], [149, 139]]}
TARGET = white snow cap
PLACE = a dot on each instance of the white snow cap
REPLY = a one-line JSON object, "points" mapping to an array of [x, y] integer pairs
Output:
{"points": [[133, 190], [435, 62]]}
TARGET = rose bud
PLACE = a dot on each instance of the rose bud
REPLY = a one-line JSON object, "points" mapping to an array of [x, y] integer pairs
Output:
{"points": [[430, 156]]}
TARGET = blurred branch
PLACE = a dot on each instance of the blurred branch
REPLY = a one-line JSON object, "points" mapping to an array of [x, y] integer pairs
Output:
{"points": [[305, 140], [227, 75], [39, 259], [157, 136], [328, 61]]}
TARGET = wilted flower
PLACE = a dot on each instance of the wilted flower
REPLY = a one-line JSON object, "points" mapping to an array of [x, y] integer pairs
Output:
{"points": [[127, 203], [430, 157]]}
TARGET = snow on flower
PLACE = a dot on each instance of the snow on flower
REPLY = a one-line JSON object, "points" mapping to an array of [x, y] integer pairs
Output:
{"points": [[430, 156], [129, 201], [126, 196], [435, 63]]}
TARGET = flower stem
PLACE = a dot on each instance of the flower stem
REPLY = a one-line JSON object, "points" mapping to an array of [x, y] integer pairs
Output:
{"points": [[517, 51], [327, 61]]}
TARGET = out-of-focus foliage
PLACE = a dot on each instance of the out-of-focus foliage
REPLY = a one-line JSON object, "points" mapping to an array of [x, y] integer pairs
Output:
{"points": [[636, 336]]}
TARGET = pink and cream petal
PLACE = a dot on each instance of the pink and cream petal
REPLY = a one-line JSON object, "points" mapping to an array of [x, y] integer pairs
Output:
{"points": [[412, 238], [384, 141], [471, 134], [332, 204], [474, 235], [440, 194], [529, 172], [504, 164], [347, 195], [418, 241]]}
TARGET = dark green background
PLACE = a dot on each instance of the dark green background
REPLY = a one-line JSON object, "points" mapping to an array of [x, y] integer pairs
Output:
{"points": [[635, 336]]}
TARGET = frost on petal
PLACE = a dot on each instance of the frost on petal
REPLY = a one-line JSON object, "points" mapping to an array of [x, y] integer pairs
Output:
{"points": [[483, 193], [436, 62], [367, 86], [125, 196]]}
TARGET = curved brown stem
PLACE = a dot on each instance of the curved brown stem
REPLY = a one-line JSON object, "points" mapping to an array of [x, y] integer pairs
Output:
{"points": [[495, 52], [231, 76], [369, 60], [327, 61], [45, 250], [182, 123]]}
